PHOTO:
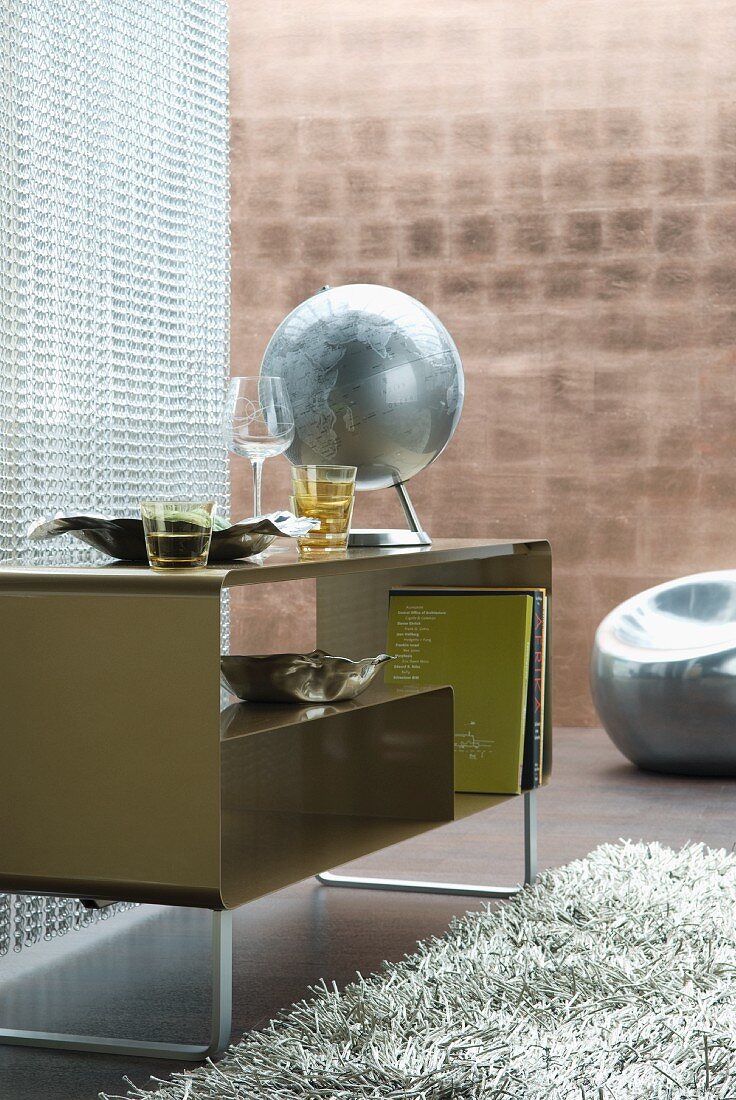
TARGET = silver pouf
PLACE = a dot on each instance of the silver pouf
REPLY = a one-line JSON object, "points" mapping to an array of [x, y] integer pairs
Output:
{"points": [[663, 676]]}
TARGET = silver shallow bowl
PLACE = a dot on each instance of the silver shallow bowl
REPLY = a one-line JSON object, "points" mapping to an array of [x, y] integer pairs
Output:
{"points": [[298, 677], [663, 676], [125, 540]]}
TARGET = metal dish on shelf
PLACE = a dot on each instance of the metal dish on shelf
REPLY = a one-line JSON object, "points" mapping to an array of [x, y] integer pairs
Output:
{"points": [[302, 678], [124, 538]]}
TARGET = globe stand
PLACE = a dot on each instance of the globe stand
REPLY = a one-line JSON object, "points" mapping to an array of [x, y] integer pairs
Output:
{"points": [[413, 536]]}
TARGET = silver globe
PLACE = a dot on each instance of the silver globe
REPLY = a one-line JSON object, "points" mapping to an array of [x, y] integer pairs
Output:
{"points": [[374, 378]]}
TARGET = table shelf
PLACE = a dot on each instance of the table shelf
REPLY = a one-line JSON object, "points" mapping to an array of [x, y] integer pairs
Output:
{"points": [[123, 778], [242, 719]]}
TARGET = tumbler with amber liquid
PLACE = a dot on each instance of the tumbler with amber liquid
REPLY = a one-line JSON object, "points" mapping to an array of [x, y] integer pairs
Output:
{"points": [[326, 493], [178, 533]]}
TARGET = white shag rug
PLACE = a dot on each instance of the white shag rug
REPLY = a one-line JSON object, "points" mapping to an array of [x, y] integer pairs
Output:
{"points": [[612, 978]]}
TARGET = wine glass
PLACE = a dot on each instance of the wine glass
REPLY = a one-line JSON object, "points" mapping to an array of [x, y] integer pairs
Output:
{"points": [[257, 423]]}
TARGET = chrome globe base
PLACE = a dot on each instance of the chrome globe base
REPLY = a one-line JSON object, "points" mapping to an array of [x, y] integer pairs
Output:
{"points": [[414, 535]]}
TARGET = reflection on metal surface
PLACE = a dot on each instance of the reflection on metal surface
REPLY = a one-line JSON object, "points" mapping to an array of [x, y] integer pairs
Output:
{"points": [[663, 675], [299, 677], [124, 538]]}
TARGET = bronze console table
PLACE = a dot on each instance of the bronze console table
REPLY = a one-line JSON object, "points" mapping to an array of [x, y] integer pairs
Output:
{"points": [[123, 778]]}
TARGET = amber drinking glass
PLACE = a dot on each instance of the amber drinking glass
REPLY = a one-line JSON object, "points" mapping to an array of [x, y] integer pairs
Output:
{"points": [[326, 493]]}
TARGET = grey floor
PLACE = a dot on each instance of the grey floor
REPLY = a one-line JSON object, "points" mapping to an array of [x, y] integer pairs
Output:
{"points": [[145, 973]]}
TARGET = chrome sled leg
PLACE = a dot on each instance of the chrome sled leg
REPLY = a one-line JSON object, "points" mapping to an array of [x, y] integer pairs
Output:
{"points": [[222, 1001], [327, 878]]}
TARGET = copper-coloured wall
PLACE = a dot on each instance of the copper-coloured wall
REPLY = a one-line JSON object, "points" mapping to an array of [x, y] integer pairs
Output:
{"points": [[557, 180]]}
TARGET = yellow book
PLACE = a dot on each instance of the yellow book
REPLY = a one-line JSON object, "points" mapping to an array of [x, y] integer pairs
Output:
{"points": [[479, 643], [535, 764]]}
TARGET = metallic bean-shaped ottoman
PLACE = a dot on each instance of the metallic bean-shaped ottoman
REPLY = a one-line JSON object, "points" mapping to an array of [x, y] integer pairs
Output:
{"points": [[663, 676]]}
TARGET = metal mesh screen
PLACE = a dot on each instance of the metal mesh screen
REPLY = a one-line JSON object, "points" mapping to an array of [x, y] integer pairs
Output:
{"points": [[114, 274]]}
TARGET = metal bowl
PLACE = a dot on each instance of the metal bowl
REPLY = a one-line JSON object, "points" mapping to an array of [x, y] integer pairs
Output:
{"points": [[124, 538], [298, 677]]}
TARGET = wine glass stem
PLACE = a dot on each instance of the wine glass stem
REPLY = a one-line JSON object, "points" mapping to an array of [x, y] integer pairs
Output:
{"points": [[257, 464]]}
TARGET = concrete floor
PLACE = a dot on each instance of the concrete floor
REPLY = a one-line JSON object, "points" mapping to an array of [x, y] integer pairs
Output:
{"points": [[145, 974]]}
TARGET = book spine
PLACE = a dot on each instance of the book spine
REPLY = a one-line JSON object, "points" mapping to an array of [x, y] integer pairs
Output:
{"points": [[532, 768]]}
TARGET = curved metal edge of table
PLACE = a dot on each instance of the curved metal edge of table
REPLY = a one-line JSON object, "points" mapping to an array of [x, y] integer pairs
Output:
{"points": [[133, 578]]}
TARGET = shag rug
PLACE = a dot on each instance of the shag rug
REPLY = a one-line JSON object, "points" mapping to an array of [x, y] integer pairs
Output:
{"points": [[612, 978]]}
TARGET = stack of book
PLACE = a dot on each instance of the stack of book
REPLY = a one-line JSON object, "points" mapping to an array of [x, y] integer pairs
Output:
{"points": [[489, 645]]}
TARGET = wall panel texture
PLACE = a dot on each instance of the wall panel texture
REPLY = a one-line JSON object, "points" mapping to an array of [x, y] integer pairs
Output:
{"points": [[557, 180]]}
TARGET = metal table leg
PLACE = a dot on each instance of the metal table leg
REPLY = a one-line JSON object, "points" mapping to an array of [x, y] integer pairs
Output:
{"points": [[222, 999], [328, 878]]}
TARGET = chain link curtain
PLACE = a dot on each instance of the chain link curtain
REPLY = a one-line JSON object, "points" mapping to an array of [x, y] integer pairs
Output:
{"points": [[114, 278]]}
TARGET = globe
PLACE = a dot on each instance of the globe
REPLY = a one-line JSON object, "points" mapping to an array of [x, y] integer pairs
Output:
{"points": [[374, 379]]}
